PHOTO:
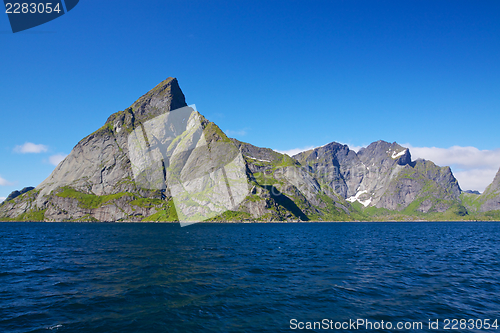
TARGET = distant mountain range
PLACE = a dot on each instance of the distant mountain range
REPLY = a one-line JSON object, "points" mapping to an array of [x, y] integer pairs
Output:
{"points": [[381, 182]]}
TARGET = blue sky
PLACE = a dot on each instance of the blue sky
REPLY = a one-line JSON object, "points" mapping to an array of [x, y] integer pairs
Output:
{"points": [[287, 75]]}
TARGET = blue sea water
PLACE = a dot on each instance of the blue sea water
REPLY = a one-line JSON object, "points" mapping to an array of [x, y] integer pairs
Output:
{"points": [[119, 277]]}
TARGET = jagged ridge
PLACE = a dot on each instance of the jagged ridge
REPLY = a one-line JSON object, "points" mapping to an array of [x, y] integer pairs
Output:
{"points": [[96, 183]]}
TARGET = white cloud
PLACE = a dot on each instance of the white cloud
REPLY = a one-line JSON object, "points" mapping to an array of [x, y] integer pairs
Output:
{"points": [[29, 147], [474, 168], [475, 179], [355, 148], [465, 157], [2, 199], [56, 159], [295, 151], [4, 182]]}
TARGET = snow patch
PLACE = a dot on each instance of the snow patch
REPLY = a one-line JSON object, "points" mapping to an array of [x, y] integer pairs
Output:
{"points": [[394, 155], [253, 158], [365, 202], [356, 198]]}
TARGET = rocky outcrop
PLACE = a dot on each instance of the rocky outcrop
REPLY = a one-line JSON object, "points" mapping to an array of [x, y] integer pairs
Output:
{"points": [[289, 186], [382, 175], [15, 194], [99, 163], [486, 204], [490, 199], [424, 186], [472, 192], [99, 166]]}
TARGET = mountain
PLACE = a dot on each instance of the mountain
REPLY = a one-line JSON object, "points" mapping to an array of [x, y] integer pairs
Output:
{"points": [[491, 196], [283, 189], [161, 160], [102, 180], [15, 194], [472, 192], [486, 204], [382, 175], [95, 181]]}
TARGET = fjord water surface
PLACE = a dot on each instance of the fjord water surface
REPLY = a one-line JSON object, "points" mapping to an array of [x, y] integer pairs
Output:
{"points": [[118, 277]]}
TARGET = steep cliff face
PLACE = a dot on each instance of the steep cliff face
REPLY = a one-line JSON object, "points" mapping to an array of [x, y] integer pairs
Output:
{"points": [[337, 168], [423, 187], [488, 201], [95, 181], [294, 192], [491, 196], [382, 175], [99, 163]]}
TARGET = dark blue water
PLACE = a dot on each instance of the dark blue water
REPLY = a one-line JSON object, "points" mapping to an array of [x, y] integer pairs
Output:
{"points": [[244, 277]]}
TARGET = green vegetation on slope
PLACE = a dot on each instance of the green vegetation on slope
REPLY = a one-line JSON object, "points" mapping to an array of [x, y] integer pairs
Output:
{"points": [[233, 216], [89, 201], [32, 215], [331, 211], [471, 201], [166, 213]]}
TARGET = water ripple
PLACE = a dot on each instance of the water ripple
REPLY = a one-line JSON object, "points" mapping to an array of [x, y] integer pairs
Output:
{"points": [[121, 277]]}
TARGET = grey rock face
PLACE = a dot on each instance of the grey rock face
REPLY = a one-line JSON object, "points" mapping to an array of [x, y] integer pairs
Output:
{"points": [[99, 164], [434, 188], [121, 209], [18, 205], [381, 175], [285, 182], [382, 161], [96, 165], [335, 166], [491, 196]]}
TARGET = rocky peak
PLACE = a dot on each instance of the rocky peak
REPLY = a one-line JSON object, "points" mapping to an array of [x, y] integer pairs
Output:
{"points": [[491, 195], [472, 192], [405, 158], [107, 147], [98, 181], [166, 96], [382, 150], [16, 193], [496, 181]]}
